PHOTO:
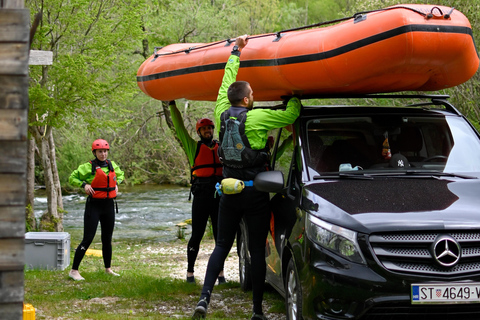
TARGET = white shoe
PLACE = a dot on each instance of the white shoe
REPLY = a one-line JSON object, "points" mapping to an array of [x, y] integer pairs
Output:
{"points": [[112, 273], [75, 275]]}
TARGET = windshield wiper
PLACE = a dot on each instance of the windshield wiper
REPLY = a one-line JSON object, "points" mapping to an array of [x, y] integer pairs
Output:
{"points": [[435, 174], [345, 175], [403, 173], [421, 173]]}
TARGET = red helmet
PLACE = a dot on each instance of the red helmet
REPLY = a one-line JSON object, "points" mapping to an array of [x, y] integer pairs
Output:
{"points": [[100, 144], [204, 122]]}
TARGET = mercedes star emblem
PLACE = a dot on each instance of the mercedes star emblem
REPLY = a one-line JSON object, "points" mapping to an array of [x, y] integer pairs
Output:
{"points": [[446, 251]]}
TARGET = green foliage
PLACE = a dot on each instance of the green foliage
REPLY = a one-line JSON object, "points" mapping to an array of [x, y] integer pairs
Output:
{"points": [[174, 21], [321, 10], [89, 40], [73, 151], [90, 90]]}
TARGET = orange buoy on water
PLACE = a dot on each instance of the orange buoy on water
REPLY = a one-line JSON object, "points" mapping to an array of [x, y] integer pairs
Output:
{"points": [[400, 48]]}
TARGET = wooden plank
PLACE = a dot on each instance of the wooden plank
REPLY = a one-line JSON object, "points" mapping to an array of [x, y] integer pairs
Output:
{"points": [[13, 124], [12, 3], [14, 46], [12, 311], [40, 58], [13, 92], [11, 286], [14, 58], [12, 256], [13, 189], [14, 25], [13, 156], [12, 221]]}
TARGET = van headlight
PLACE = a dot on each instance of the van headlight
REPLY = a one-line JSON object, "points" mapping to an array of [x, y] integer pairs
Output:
{"points": [[341, 241]]}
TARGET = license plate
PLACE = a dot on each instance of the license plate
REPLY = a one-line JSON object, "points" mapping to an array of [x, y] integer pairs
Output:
{"points": [[434, 293]]}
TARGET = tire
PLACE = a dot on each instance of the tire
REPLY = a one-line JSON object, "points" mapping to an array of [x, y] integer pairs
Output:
{"points": [[293, 293], [244, 264]]}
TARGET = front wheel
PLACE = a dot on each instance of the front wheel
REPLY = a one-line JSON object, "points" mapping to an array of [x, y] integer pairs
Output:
{"points": [[293, 293], [244, 265]]}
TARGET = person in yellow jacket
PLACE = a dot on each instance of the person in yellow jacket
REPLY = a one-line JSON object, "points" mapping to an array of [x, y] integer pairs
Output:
{"points": [[100, 179], [205, 172], [243, 160]]}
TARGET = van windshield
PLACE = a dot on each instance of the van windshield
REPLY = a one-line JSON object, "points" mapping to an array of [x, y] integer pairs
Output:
{"points": [[392, 142]]}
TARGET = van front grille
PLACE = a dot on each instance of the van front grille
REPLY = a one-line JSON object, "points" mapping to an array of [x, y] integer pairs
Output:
{"points": [[412, 252]]}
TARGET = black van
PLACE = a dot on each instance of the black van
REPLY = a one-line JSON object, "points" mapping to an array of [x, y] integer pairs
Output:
{"points": [[375, 212]]}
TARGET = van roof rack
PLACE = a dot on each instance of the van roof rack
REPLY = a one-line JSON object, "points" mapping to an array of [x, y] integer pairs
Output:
{"points": [[435, 99], [373, 96]]}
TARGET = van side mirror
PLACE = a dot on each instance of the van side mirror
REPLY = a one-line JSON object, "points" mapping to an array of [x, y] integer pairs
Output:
{"points": [[269, 181]]}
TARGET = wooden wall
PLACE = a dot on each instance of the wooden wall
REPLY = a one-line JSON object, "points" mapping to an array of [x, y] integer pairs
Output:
{"points": [[14, 48]]}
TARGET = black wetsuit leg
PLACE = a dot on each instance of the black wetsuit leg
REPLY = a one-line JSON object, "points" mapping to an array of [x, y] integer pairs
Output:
{"points": [[107, 224], [214, 215], [255, 207], [95, 211], [204, 205], [90, 224]]}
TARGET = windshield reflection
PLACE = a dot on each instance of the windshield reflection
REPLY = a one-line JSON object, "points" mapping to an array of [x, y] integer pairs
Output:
{"points": [[386, 143]]}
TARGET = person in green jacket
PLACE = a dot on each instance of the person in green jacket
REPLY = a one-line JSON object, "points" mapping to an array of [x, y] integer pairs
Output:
{"points": [[235, 102], [205, 172], [99, 179]]}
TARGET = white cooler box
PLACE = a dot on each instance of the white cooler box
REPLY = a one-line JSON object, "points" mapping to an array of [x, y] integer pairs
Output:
{"points": [[47, 250]]}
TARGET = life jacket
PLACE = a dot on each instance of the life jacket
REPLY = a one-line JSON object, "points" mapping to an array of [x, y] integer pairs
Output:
{"points": [[206, 163], [103, 184], [235, 150]]}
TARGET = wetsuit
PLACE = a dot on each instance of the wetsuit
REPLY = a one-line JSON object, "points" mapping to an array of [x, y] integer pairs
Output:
{"points": [[250, 204], [96, 210], [206, 171]]}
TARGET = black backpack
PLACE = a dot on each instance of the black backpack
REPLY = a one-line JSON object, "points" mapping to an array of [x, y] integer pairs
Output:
{"points": [[234, 150]]}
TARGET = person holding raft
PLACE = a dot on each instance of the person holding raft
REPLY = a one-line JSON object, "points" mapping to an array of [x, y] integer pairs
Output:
{"points": [[242, 160], [100, 179], [205, 172]]}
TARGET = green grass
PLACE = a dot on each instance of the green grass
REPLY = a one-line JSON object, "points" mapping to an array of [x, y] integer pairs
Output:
{"points": [[145, 289]]}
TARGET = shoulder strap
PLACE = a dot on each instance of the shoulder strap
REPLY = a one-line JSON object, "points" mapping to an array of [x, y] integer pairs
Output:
{"points": [[243, 116], [197, 151], [193, 167], [110, 166], [94, 166], [223, 119]]}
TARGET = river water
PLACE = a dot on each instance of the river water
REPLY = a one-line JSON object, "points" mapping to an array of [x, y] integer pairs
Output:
{"points": [[145, 213]]}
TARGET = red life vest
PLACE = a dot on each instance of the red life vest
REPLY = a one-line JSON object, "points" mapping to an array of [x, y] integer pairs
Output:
{"points": [[104, 184], [206, 163]]}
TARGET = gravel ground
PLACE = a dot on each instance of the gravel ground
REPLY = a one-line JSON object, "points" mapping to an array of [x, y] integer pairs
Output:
{"points": [[176, 262], [177, 253]]}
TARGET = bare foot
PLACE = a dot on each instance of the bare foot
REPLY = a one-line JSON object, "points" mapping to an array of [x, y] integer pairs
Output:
{"points": [[110, 271]]}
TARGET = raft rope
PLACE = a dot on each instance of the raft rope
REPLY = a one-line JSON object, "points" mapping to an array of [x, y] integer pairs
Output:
{"points": [[432, 14]]}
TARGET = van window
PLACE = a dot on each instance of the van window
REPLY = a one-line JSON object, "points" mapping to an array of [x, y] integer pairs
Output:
{"points": [[369, 143]]}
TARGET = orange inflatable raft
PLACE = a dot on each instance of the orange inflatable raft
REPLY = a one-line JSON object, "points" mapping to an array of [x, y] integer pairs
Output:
{"points": [[400, 48]]}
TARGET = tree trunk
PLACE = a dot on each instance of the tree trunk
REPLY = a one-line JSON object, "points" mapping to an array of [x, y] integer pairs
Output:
{"points": [[31, 222], [56, 179], [52, 219]]}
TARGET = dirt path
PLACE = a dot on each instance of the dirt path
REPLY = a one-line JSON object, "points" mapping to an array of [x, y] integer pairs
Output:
{"points": [[178, 260], [177, 264]]}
